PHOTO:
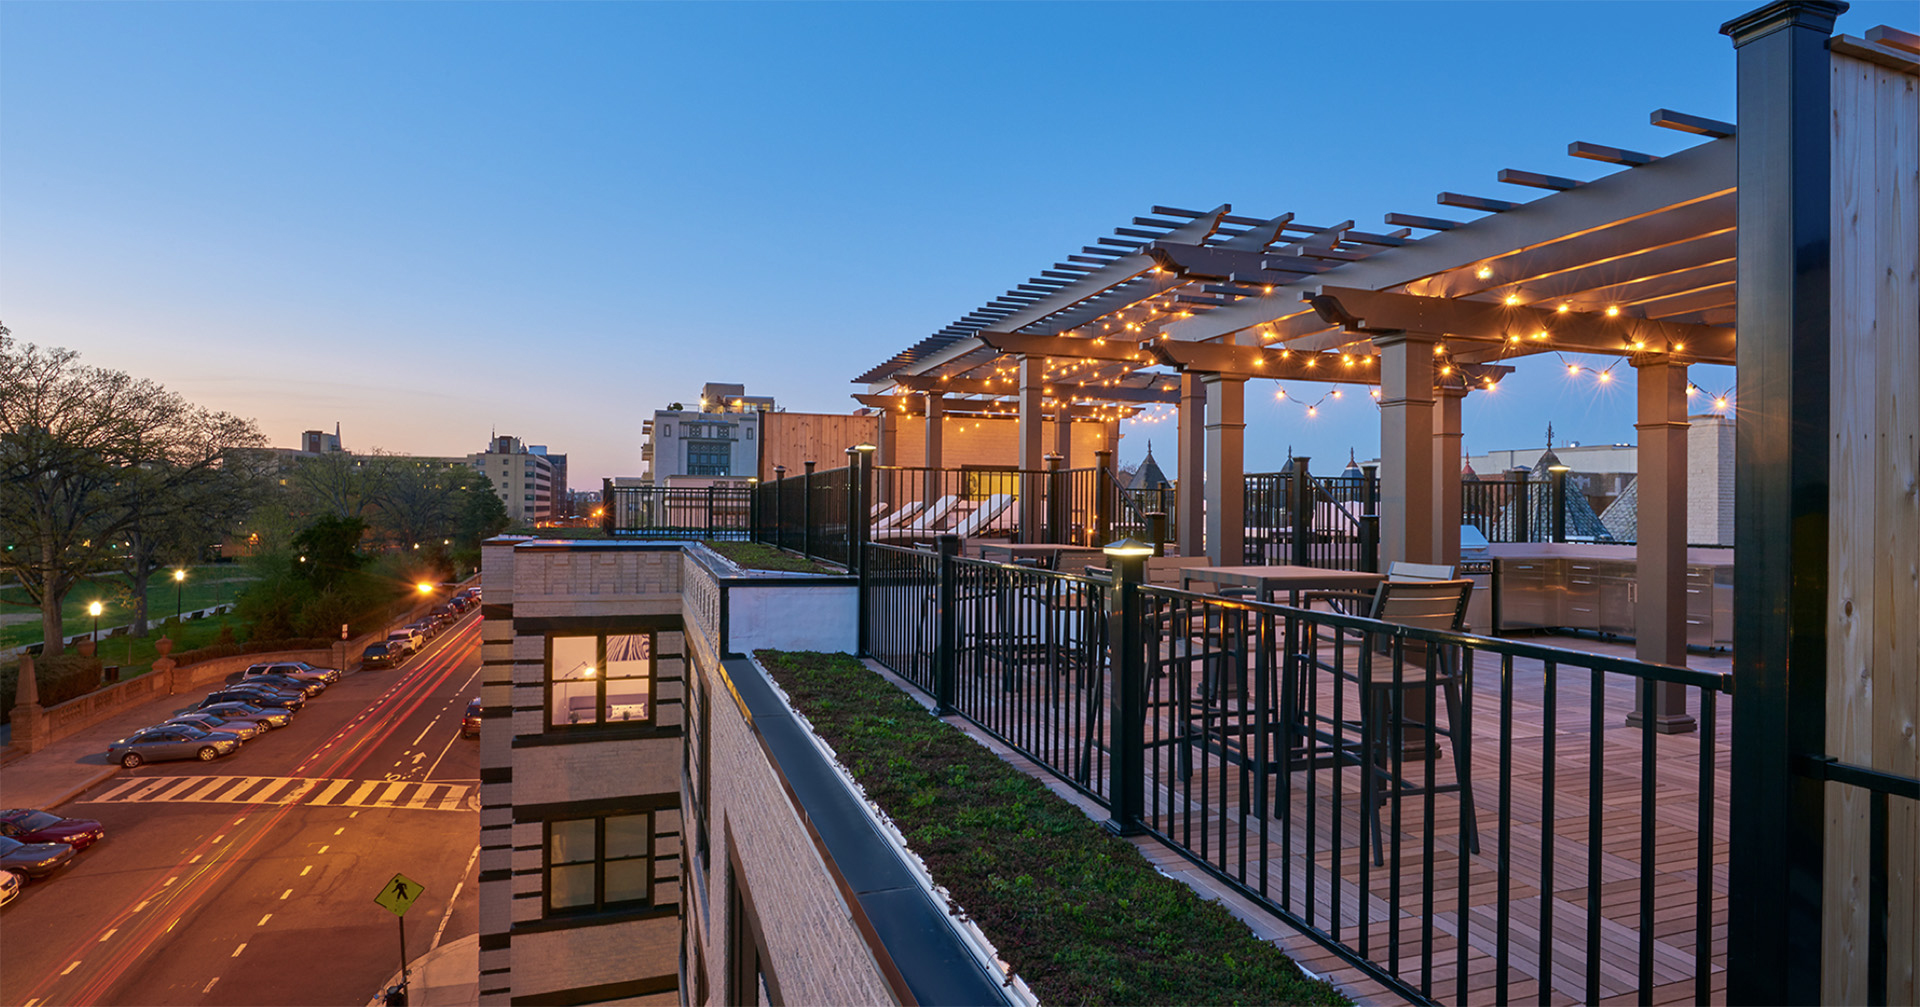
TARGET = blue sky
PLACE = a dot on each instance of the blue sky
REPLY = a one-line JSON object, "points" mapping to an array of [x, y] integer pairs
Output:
{"points": [[428, 221]]}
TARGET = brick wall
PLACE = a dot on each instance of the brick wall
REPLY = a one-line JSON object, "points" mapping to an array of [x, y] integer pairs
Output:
{"points": [[1710, 480]]}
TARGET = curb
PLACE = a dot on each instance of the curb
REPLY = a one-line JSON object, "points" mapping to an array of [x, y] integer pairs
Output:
{"points": [[97, 779]]}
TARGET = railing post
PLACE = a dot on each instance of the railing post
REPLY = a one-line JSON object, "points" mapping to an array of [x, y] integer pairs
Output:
{"points": [[806, 510], [1557, 490], [753, 510], [779, 506], [1057, 504], [606, 507], [945, 651], [1518, 505], [1302, 508], [1155, 523], [1127, 706], [857, 534], [710, 488], [1104, 495], [856, 510], [1370, 518]]}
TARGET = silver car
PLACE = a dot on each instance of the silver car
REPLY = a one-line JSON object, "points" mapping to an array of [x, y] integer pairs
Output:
{"points": [[245, 730], [171, 741], [271, 716]]}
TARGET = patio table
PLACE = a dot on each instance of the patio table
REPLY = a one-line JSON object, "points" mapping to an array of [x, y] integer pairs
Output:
{"points": [[1047, 552], [1267, 580]]}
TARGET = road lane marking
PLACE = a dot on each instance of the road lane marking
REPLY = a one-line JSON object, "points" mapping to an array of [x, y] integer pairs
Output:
{"points": [[132, 784], [142, 905], [170, 881], [283, 895], [331, 789], [355, 814], [263, 920], [444, 917], [208, 988], [196, 858], [71, 967], [282, 790], [387, 797], [219, 837], [339, 830], [424, 730], [324, 849], [304, 870], [236, 951], [110, 933]]}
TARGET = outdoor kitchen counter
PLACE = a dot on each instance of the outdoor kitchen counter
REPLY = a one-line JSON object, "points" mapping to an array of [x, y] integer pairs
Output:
{"points": [[1595, 587]]}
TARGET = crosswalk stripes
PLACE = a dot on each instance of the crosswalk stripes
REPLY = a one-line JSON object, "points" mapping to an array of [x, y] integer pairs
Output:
{"points": [[401, 794]]}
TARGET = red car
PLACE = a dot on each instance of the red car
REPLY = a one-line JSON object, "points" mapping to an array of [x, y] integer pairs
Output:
{"points": [[30, 826]]}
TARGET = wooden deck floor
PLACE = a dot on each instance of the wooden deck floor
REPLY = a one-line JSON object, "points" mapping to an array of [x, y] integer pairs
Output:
{"points": [[1594, 847]]}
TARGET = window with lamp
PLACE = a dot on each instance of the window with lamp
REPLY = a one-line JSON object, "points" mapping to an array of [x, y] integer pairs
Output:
{"points": [[600, 680]]}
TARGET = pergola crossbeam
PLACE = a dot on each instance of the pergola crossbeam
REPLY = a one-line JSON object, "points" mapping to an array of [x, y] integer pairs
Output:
{"points": [[1699, 124], [1611, 155], [1537, 330]]}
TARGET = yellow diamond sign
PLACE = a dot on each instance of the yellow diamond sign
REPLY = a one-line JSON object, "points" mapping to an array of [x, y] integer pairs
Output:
{"points": [[399, 894]]}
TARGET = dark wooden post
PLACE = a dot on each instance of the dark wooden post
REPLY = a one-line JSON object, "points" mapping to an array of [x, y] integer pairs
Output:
{"points": [[606, 507], [1518, 505], [806, 510], [1103, 496], [1056, 500], [1370, 518], [857, 532], [1781, 477]]}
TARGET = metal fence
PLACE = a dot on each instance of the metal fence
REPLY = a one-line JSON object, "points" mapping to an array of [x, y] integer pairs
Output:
{"points": [[1295, 517], [712, 512], [1442, 810], [1018, 651]]}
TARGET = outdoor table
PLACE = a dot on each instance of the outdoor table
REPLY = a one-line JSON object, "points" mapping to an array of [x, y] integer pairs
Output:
{"points": [[1046, 552], [1293, 579]]}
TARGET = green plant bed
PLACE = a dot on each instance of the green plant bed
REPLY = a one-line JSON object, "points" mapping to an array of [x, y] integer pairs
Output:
{"points": [[760, 556], [205, 587], [1079, 914]]}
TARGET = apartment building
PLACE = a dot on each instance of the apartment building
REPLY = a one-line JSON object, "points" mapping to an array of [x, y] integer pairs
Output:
{"points": [[523, 475], [718, 440]]}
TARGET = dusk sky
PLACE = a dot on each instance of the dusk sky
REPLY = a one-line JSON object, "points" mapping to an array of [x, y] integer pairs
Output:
{"points": [[426, 222]]}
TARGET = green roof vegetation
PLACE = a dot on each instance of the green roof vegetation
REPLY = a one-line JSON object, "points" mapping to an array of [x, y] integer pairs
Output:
{"points": [[1081, 915], [760, 556]]}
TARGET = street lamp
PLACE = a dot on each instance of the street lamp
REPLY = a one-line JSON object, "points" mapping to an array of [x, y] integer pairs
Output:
{"points": [[179, 590], [93, 609], [425, 588]]}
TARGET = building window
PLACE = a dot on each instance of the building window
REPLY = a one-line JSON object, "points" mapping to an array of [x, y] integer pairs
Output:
{"points": [[594, 680], [709, 458], [666, 430], [599, 863]]}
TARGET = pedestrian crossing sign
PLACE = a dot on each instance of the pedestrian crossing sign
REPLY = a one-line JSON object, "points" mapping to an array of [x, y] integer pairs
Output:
{"points": [[399, 894]]}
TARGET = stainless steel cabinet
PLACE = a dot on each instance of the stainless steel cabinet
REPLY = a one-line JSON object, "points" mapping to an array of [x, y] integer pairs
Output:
{"points": [[1525, 600], [1602, 595]]}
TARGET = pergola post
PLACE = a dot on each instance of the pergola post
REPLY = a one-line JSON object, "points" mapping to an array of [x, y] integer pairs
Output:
{"points": [[1446, 473], [1783, 92], [1226, 469], [1032, 389], [885, 427], [1063, 435], [1660, 550], [1189, 506], [1406, 447], [935, 437]]}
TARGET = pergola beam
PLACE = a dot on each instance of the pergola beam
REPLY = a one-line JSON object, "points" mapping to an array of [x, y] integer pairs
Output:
{"points": [[1373, 311], [1230, 360], [1077, 347], [1062, 388], [915, 405]]}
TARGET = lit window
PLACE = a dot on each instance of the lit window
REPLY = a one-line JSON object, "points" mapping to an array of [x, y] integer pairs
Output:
{"points": [[596, 680]]}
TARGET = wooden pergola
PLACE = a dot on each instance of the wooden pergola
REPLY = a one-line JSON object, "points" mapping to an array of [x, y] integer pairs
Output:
{"points": [[1652, 263]]}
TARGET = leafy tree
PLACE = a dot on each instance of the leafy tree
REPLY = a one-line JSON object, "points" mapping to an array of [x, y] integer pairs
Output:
{"points": [[83, 453], [329, 549]]}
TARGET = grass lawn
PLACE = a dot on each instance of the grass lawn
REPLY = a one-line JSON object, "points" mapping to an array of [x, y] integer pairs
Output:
{"points": [[760, 556], [206, 586], [1080, 914], [135, 656]]}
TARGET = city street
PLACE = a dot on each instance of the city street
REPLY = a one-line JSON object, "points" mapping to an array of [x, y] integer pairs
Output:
{"points": [[251, 879]]}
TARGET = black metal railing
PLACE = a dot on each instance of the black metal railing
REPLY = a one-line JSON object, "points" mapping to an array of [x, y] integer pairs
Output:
{"points": [[1326, 766], [1018, 651], [1880, 788], [1133, 506], [1444, 811], [1027, 505], [710, 512], [1295, 517]]}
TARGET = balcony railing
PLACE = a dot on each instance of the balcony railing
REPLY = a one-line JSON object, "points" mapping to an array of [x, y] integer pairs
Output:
{"points": [[1444, 811]]}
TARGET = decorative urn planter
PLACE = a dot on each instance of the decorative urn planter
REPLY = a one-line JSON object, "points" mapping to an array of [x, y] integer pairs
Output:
{"points": [[164, 646]]}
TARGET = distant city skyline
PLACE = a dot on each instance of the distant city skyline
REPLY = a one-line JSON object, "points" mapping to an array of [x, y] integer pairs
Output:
{"points": [[428, 222]]}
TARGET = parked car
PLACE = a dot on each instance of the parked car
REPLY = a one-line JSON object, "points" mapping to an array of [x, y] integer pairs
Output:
{"points": [[10, 885], [245, 730], [30, 826], [470, 725], [408, 640], [381, 655], [304, 686], [331, 675], [259, 694], [271, 716], [427, 628], [171, 741], [291, 669], [33, 860]]}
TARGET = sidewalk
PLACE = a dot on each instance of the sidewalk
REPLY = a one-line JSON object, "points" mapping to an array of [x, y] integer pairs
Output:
{"points": [[59, 772], [447, 976]]}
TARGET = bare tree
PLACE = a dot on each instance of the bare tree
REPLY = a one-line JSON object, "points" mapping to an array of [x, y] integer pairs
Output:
{"points": [[84, 453]]}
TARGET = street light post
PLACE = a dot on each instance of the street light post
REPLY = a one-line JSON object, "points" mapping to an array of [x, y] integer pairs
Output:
{"points": [[179, 592], [93, 609]]}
